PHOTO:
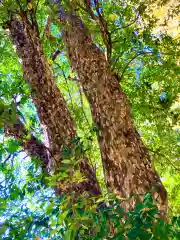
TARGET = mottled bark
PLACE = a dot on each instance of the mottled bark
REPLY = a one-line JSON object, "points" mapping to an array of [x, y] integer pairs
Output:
{"points": [[50, 104], [127, 165], [30, 144], [35, 148]]}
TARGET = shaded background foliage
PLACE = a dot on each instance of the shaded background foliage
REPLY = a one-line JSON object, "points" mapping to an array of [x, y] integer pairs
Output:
{"points": [[147, 62]]}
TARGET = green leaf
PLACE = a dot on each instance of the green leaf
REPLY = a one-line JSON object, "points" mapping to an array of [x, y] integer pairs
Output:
{"points": [[3, 205], [3, 229], [13, 146], [62, 217]]}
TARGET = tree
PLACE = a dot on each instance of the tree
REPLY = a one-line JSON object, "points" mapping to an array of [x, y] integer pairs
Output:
{"points": [[127, 165], [47, 98], [112, 51]]}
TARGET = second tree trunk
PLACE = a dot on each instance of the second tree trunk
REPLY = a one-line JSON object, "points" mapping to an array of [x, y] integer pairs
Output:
{"points": [[127, 165]]}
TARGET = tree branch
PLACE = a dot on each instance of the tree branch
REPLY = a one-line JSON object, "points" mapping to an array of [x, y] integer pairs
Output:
{"points": [[33, 146], [128, 25], [162, 155], [55, 54], [66, 80], [106, 35], [140, 10], [128, 63]]}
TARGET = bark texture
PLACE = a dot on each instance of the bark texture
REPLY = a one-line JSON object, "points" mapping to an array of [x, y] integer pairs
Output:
{"points": [[127, 165], [50, 104], [33, 146]]}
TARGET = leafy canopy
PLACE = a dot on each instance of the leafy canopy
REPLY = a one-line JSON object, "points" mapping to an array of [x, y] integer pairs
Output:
{"points": [[146, 59]]}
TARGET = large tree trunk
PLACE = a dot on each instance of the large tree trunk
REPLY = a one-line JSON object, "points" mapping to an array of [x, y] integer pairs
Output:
{"points": [[50, 104], [35, 148], [127, 165]]}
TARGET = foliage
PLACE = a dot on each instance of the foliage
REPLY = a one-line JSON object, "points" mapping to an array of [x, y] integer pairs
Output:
{"points": [[103, 218], [147, 62]]}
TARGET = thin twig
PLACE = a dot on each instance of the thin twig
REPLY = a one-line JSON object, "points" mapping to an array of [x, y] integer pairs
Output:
{"points": [[88, 9], [66, 80], [137, 55], [82, 104], [100, 20], [128, 25], [162, 155], [8, 157], [116, 60], [106, 35], [35, 10], [55, 54]]}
